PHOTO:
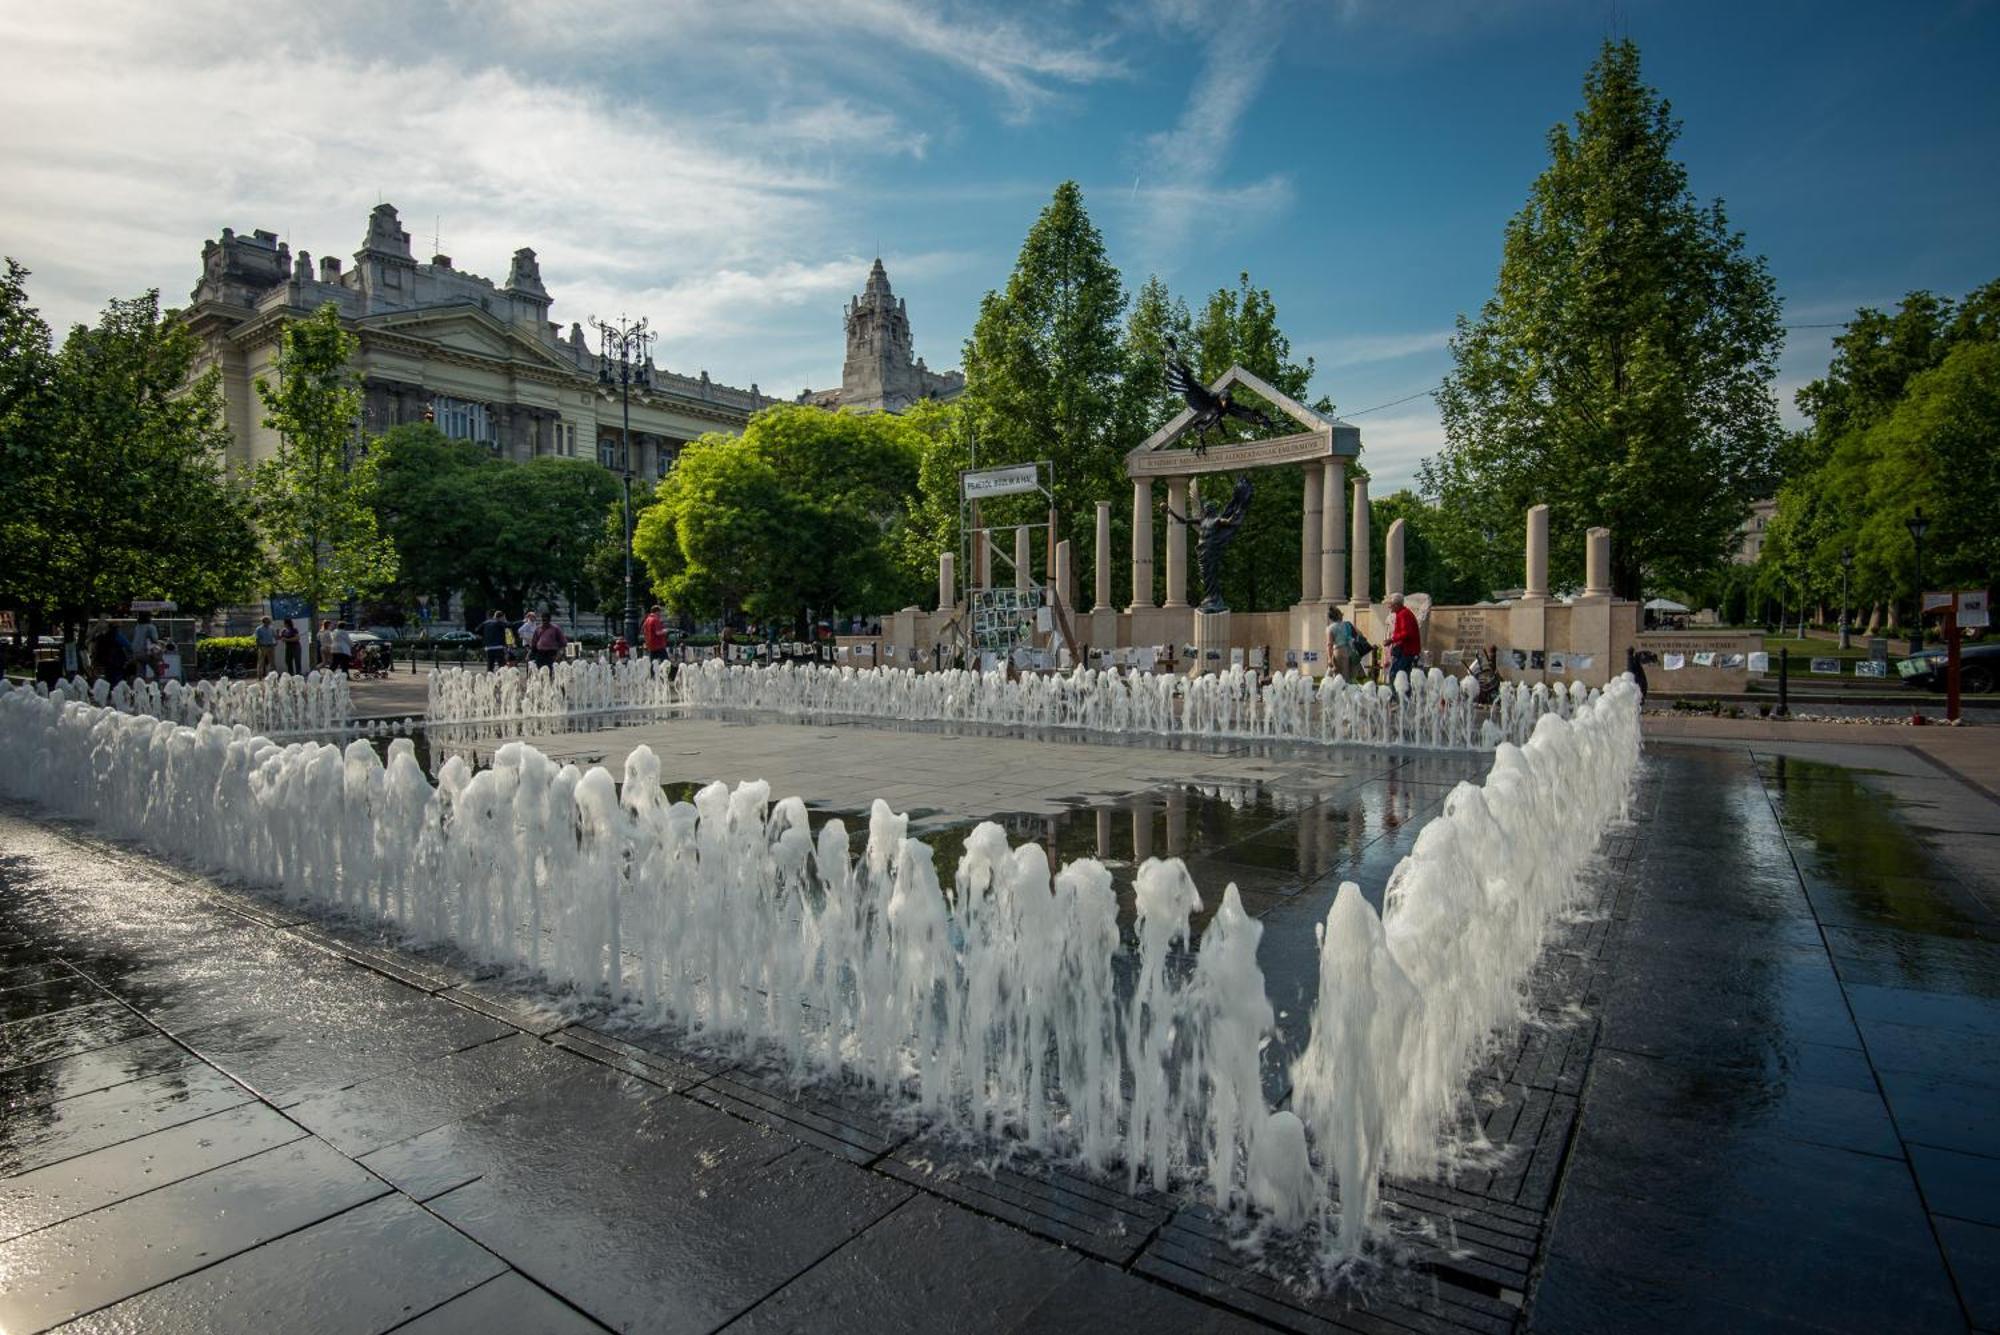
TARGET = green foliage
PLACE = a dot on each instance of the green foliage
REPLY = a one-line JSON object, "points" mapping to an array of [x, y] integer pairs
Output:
{"points": [[546, 517], [113, 455], [315, 496], [433, 500], [1907, 416], [1045, 366], [805, 511], [1621, 372], [1425, 569]]}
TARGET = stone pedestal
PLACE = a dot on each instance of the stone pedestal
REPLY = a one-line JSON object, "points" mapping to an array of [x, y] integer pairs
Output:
{"points": [[1211, 642]]}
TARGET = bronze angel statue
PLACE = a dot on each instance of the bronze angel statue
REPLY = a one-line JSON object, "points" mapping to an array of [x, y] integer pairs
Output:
{"points": [[1210, 409], [1216, 527]]}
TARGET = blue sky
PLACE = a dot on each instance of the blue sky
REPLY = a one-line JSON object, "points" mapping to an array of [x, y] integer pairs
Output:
{"points": [[729, 170]]}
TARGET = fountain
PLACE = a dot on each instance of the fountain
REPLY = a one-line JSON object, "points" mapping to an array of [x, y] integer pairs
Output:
{"points": [[994, 1007]]}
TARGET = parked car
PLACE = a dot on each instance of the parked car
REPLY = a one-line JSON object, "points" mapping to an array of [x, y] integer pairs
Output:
{"points": [[389, 633], [1978, 668], [453, 635]]}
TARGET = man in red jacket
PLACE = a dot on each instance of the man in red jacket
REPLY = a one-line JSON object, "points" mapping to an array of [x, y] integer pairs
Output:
{"points": [[654, 632], [1405, 640]]}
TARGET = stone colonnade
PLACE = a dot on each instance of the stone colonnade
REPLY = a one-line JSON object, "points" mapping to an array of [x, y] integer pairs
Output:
{"points": [[1323, 571]]}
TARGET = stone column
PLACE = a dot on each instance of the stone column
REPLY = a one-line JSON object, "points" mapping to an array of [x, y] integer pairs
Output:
{"points": [[1021, 558], [1101, 567], [1537, 583], [1310, 537], [1333, 531], [1062, 574], [1392, 559], [1178, 502], [1597, 563], [1142, 543], [1357, 546], [947, 581], [979, 559]]}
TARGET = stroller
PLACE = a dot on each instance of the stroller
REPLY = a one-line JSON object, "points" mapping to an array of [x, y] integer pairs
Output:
{"points": [[374, 660]]}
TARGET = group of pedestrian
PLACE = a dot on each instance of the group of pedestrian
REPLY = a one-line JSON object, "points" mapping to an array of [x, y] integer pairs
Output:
{"points": [[279, 648], [1347, 648], [539, 637], [120, 655]]}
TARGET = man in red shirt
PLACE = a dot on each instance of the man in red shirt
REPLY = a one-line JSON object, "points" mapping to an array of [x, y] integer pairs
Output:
{"points": [[654, 632], [1405, 640]]}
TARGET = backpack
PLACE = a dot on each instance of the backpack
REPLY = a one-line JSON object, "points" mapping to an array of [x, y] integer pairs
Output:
{"points": [[1362, 646]]}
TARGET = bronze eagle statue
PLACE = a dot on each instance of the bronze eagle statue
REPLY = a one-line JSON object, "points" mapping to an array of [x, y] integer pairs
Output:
{"points": [[1210, 409]]}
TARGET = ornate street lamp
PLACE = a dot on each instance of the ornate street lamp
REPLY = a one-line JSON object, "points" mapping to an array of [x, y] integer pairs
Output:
{"points": [[1846, 569], [1918, 527], [623, 360]]}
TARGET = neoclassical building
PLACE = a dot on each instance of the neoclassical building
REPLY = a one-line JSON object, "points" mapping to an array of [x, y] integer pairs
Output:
{"points": [[483, 361], [882, 372]]}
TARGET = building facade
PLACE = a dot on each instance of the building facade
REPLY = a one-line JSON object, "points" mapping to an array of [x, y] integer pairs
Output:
{"points": [[882, 372], [482, 361], [1750, 534]]}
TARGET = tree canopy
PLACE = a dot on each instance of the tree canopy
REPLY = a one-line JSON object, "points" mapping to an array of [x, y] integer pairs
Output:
{"points": [[113, 453], [315, 496], [1621, 373], [805, 512]]}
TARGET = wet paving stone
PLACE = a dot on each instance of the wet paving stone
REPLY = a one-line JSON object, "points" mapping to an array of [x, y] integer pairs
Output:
{"points": [[649, 1211], [366, 1270], [75, 1186], [1965, 1186], [86, 1072], [1923, 961], [909, 1272], [508, 1303], [48, 1037], [37, 1135], [1973, 1251], [415, 1099], [111, 1254]]}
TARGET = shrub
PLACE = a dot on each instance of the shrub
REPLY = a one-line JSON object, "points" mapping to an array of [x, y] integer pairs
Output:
{"points": [[220, 653]]}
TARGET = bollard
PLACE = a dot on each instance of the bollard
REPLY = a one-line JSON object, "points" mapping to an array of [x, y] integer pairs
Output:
{"points": [[1784, 681]]}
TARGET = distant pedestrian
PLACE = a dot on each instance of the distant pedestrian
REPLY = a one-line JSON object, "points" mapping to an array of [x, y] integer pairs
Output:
{"points": [[1339, 643], [288, 638], [110, 652], [1406, 643], [267, 647], [654, 631], [493, 633], [323, 642], [548, 641], [1635, 663], [343, 647], [524, 634], [145, 642]]}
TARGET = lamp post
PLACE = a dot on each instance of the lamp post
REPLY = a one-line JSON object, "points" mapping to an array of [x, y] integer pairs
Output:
{"points": [[631, 365], [1846, 570], [1919, 526]]}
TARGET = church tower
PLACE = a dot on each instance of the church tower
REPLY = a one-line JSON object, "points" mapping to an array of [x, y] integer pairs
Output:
{"points": [[882, 372]]}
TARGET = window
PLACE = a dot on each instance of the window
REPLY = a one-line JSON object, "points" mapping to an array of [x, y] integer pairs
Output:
{"points": [[609, 454], [461, 419], [664, 459]]}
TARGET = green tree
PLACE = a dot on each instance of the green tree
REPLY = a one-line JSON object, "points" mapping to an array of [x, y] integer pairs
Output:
{"points": [[434, 500], [805, 512], [1425, 569], [1240, 328], [1621, 371], [545, 528], [315, 496], [1158, 319], [1045, 364], [123, 493], [27, 372]]}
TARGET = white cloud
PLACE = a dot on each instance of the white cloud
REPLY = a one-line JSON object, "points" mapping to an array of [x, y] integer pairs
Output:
{"points": [[1367, 349], [1182, 166], [1393, 446]]}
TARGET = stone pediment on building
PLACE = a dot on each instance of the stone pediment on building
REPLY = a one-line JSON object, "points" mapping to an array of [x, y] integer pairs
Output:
{"points": [[466, 330], [1317, 437]]}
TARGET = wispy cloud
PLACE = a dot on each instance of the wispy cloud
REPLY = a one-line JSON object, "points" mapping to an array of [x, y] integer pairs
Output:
{"points": [[1393, 446], [1182, 166], [1367, 349]]}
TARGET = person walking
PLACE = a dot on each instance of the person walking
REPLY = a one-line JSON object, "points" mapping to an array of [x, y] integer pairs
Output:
{"points": [[1339, 643], [267, 647], [343, 647], [145, 642], [323, 642], [524, 635], [1406, 643], [493, 633], [548, 641], [653, 630], [110, 651], [288, 639]]}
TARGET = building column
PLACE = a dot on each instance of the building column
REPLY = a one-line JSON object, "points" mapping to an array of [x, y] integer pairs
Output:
{"points": [[1177, 501], [1333, 531], [1021, 558], [947, 581], [1142, 543], [1357, 546], [1100, 571], [1536, 586], [1597, 563], [1061, 577], [1309, 537], [1392, 559]]}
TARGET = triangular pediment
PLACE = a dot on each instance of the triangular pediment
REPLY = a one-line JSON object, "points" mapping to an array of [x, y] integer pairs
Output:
{"points": [[1318, 436], [465, 329]]}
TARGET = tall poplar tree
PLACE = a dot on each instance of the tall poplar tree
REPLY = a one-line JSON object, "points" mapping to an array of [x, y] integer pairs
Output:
{"points": [[1622, 370], [1045, 364], [315, 497]]}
